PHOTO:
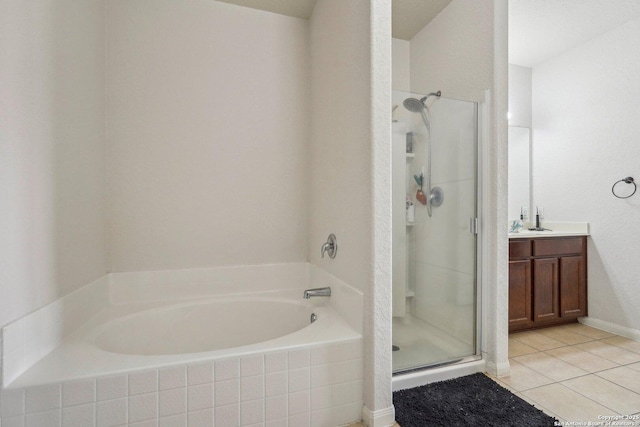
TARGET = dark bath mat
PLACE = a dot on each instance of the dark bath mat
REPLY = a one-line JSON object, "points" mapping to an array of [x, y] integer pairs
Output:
{"points": [[473, 400]]}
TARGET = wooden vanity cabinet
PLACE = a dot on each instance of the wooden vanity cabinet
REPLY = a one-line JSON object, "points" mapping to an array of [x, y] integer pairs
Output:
{"points": [[547, 281]]}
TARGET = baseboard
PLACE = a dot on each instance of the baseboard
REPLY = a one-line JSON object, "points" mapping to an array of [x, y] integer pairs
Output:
{"points": [[498, 369], [612, 328], [381, 418]]}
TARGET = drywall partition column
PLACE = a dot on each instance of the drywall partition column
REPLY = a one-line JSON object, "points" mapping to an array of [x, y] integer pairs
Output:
{"points": [[461, 52], [494, 207], [586, 136], [208, 128], [348, 197], [378, 410], [51, 151]]}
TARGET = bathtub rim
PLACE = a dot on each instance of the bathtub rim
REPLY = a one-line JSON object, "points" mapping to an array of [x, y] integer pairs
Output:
{"points": [[61, 365], [29, 339]]}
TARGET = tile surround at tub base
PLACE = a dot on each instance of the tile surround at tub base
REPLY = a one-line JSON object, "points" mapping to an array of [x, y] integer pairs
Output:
{"points": [[240, 390]]}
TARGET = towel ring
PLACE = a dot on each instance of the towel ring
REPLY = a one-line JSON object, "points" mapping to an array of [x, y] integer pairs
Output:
{"points": [[627, 180]]}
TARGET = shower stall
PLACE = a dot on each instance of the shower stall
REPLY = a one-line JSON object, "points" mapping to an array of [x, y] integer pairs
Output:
{"points": [[435, 205]]}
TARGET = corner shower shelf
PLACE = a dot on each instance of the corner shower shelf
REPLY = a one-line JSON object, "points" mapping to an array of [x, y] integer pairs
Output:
{"points": [[409, 293], [410, 155], [410, 224]]}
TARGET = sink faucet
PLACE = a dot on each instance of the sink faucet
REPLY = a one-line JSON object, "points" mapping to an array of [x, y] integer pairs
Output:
{"points": [[538, 227], [317, 292]]}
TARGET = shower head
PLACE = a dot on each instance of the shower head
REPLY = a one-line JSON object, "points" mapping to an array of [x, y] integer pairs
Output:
{"points": [[414, 105], [417, 105]]}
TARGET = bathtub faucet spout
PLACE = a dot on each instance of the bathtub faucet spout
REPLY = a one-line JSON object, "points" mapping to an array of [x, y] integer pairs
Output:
{"points": [[317, 292]]}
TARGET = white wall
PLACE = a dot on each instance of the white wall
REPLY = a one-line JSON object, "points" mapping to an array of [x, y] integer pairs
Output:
{"points": [[463, 53], [454, 52], [400, 65], [207, 121], [520, 96], [401, 81], [51, 151], [586, 136], [340, 151]]}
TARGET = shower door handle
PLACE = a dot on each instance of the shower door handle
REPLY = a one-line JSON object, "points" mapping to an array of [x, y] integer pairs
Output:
{"points": [[473, 225]]}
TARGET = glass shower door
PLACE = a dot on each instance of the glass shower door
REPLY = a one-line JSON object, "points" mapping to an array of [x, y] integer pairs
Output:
{"points": [[434, 265]]}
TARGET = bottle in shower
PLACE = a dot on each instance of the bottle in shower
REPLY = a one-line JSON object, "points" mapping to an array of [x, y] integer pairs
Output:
{"points": [[411, 210]]}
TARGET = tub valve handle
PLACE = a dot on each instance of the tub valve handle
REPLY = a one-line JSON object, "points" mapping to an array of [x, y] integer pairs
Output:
{"points": [[330, 247]]}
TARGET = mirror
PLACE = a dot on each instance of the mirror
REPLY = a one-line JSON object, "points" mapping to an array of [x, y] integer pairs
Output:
{"points": [[519, 178]]}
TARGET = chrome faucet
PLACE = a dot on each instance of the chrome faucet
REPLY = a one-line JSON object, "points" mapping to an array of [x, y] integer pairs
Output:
{"points": [[317, 292], [331, 247]]}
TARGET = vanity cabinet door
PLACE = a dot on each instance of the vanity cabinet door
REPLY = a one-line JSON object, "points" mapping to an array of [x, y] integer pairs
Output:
{"points": [[545, 291], [519, 294], [573, 286]]}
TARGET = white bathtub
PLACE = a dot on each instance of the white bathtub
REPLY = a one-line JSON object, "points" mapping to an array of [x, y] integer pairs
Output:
{"points": [[198, 326], [247, 358]]}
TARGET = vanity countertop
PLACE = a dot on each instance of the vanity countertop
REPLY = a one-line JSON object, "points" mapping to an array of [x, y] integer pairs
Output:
{"points": [[556, 229]]}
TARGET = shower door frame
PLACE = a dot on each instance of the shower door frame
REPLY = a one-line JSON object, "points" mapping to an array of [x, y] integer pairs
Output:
{"points": [[474, 362]]}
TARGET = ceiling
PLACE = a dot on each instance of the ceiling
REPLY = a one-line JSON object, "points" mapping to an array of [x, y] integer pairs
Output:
{"points": [[542, 29], [538, 29], [296, 8], [409, 16]]}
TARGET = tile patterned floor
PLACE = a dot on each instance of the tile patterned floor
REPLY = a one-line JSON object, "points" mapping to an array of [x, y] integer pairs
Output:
{"points": [[576, 373]]}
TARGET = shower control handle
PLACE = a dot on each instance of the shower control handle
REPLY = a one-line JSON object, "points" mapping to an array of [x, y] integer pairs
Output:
{"points": [[330, 247]]}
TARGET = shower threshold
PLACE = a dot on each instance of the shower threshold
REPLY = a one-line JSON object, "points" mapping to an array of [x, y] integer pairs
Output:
{"points": [[438, 372], [430, 366]]}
